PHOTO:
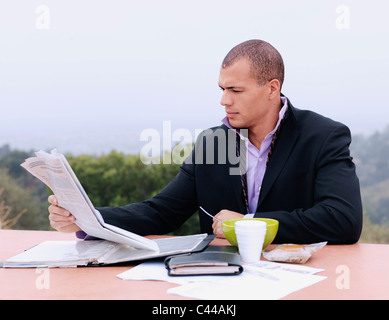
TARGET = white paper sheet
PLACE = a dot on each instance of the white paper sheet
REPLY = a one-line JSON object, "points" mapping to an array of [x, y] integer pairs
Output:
{"points": [[262, 281], [61, 254], [247, 287], [155, 270]]}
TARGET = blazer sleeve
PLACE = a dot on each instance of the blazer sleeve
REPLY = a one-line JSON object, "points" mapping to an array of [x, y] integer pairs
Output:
{"points": [[163, 213], [336, 212]]}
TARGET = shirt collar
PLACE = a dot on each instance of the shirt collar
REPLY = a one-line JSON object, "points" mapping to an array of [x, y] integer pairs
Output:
{"points": [[281, 114]]}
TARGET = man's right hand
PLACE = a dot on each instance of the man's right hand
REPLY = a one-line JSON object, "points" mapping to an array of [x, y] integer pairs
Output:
{"points": [[61, 219]]}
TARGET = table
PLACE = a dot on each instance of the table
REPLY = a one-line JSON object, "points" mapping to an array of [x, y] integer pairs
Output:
{"points": [[358, 271]]}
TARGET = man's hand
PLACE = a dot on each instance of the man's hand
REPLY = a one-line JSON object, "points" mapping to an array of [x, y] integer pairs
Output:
{"points": [[61, 219], [223, 216]]}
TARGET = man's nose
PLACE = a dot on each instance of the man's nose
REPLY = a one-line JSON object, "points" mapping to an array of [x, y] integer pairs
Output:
{"points": [[226, 99]]}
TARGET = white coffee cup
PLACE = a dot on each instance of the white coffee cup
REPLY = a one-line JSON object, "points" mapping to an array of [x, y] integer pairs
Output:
{"points": [[250, 235]]}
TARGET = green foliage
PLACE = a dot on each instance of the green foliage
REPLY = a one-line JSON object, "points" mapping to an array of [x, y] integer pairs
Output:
{"points": [[12, 161], [117, 179], [374, 233], [6, 219], [17, 199], [371, 155], [376, 202]]}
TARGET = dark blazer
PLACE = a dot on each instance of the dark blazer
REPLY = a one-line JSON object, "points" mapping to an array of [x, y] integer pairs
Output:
{"points": [[310, 185]]}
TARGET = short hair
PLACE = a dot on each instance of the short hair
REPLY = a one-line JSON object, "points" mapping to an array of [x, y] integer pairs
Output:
{"points": [[266, 62]]}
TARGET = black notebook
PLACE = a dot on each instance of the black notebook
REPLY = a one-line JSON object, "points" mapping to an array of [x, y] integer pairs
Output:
{"points": [[223, 260]]}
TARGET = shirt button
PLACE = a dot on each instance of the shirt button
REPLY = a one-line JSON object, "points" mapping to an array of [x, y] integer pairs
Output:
{"points": [[260, 159]]}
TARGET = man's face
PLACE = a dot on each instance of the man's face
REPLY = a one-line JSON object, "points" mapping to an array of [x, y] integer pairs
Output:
{"points": [[245, 101]]}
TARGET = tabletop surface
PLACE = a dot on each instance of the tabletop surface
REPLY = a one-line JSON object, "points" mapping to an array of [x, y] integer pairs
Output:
{"points": [[358, 271]]}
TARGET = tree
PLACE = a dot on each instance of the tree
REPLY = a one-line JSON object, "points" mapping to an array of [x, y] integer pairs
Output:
{"points": [[117, 179], [5, 213], [16, 199]]}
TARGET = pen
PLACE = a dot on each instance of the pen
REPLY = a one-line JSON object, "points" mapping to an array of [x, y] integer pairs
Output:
{"points": [[212, 216]]}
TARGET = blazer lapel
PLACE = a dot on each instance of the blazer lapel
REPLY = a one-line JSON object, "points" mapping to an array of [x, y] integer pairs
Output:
{"points": [[284, 146], [236, 186], [233, 172]]}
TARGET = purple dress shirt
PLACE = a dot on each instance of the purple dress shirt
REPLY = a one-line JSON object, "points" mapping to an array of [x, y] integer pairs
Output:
{"points": [[256, 161]]}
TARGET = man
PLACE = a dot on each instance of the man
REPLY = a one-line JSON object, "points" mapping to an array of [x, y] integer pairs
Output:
{"points": [[295, 165]]}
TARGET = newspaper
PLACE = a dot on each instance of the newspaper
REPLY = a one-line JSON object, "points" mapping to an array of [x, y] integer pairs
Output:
{"points": [[54, 170]]}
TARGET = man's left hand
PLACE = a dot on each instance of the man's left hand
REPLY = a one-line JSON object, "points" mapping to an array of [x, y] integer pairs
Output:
{"points": [[223, 216]]}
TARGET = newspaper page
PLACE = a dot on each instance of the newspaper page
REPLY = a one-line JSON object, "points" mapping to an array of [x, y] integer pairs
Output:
{"points": [[54, 170]]}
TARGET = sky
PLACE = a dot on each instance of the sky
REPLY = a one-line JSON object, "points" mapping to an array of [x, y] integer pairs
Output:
{"points": [[91, 76]]}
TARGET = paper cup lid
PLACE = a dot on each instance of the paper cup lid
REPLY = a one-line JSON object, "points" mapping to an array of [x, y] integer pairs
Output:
{"points": [[250, 224]]}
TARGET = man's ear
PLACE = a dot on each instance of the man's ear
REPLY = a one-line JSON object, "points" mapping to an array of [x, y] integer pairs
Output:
{"points": [[274, 88]]}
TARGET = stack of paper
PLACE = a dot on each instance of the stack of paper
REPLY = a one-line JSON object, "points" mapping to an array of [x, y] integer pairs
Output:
{"points": [[260, 281], [99, 252]]}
